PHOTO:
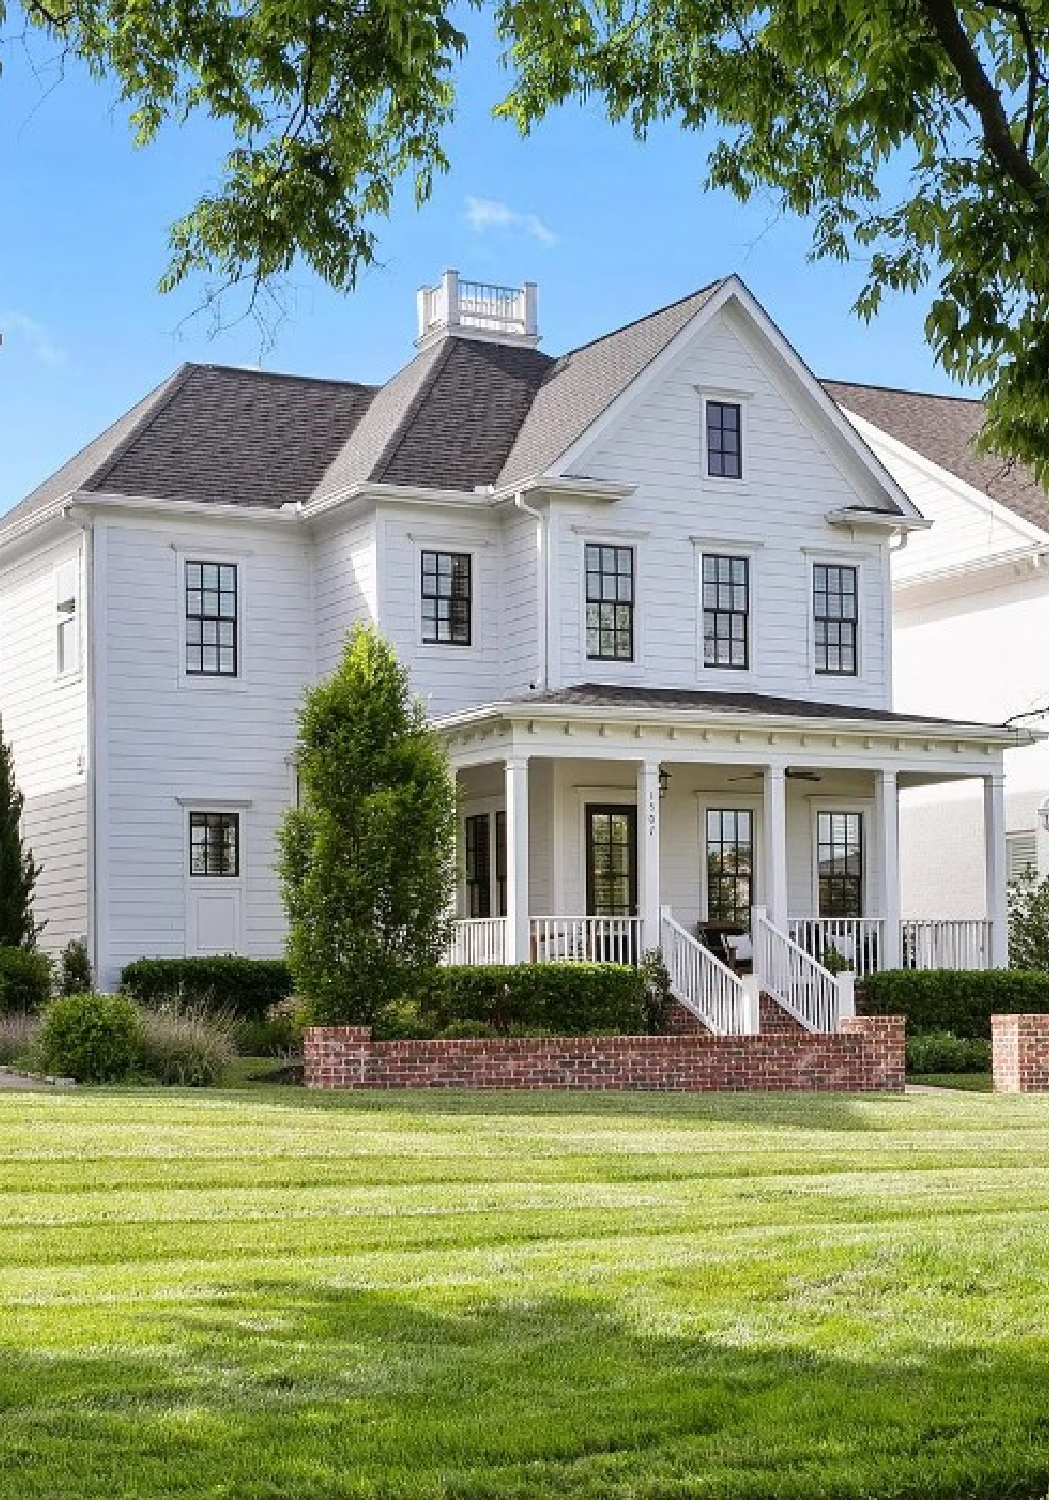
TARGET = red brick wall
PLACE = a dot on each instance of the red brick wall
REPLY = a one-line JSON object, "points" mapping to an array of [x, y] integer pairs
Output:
{"points": [[1020, 1054], [866, 1054]]}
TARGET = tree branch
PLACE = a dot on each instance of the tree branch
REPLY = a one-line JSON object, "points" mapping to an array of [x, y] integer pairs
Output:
{"points": [[983, 97], [1034, 66]]}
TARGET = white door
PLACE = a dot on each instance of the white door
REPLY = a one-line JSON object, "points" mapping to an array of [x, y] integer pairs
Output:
{"points": [[214, 888]]}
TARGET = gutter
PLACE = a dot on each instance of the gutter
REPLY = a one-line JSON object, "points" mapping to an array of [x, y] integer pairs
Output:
{"points": [[1036, 556]]}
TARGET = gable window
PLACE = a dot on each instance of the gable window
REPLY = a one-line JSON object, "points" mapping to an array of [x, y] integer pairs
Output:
{"points": [[726, 611], [835, 613], [609, 602], [839, 858], [724, 439], [211, 619], [214, 843], [446, 598], [67, 617], [730, 866]]}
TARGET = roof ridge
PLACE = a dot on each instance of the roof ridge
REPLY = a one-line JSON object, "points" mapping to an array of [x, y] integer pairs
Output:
{"points": [[357, 385], [902, 390], [399, 435], [643, 318], [176, 383]]}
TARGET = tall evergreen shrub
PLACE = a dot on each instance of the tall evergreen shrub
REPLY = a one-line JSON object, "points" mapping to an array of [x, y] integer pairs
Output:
{"points": [[18, 869]]}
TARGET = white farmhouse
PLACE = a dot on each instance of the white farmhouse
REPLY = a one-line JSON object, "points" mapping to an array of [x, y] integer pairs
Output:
{"points": [[643, 587], [971, 614]]}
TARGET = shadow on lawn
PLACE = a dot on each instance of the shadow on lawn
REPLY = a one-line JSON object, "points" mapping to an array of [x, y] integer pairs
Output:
{"points": [[438, 1394]]}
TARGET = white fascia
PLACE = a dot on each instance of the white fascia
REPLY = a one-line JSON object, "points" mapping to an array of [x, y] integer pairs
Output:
{"points": [[855, 518], [149, 505], [1021, 559]]}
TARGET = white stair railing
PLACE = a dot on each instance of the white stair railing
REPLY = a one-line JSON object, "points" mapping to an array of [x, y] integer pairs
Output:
{"points": [[704, 985], [856, 940], [804, 988]]}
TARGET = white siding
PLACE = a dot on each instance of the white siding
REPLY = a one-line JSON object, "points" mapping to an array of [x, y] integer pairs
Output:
{"points": [[790, 483], [344, 585], [519, 602], [45, 721], [205, 742]]}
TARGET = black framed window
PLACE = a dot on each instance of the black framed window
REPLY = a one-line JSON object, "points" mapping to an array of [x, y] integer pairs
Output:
{"points": [[478, 866], [835, 614], [214, 843], [726, 611], [500, 864], [447, 598], [609, 602], [211, 619], [839, 856], [611, 861], [730, 865], [725, 439]]}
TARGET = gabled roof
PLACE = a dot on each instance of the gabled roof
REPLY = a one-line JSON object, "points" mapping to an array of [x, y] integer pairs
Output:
{"points": [[211, 433], [584, 383], [942, 429]]}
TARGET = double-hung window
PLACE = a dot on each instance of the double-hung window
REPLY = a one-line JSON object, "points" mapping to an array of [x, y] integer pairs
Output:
{"points": [[835, 614], [724, 439], [839, 860], [730, 865], [726, 611], [211, 619], [214, 844], [609, 602], [67, 617], [447, 595]]}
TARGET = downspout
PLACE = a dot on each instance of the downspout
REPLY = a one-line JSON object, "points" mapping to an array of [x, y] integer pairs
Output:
{"points": [[542, 586], [88, 627]]}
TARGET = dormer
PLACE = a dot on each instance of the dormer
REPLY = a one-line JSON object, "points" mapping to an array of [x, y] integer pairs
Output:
{"points": [[477, 310]]}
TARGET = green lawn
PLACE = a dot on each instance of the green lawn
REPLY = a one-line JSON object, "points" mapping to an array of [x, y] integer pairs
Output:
{"points": [[269, 1294]]}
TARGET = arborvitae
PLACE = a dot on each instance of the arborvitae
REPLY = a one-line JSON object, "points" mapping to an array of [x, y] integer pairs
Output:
{"points": [[18, 869]]}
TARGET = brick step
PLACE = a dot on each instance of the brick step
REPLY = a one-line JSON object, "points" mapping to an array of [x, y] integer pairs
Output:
{"points": [[774, 1019]]}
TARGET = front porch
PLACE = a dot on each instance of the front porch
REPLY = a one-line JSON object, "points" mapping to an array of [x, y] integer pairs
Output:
{"points": [[599, 836]]}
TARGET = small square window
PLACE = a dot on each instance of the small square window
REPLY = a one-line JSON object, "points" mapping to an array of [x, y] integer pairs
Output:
{"points": [[211, 619], [214, 844], [447, 598], [724, 439]]}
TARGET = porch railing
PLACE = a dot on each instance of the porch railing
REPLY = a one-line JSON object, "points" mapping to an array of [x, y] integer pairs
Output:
{"points": [[946, 944], [593, 940], [703, 984], [802, 986], [478, 940], [856, 940]]}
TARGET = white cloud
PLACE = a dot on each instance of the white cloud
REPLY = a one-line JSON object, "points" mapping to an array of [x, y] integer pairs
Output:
{"points": [[485, 214], [33, 336]]}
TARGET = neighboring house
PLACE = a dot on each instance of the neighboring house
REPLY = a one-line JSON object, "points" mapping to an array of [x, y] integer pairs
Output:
{"points": [[971, 617], [644, 588]]}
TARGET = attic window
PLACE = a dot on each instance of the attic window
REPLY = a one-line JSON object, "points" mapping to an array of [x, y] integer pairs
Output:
{"points": [[67, 617], [724, 439]]}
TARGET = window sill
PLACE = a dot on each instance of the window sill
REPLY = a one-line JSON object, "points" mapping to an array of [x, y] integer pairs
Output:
{"points": [[192, 683]]}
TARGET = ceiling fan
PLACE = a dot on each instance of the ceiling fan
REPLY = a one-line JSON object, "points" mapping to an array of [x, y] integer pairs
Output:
{"points": [[792, 773]]}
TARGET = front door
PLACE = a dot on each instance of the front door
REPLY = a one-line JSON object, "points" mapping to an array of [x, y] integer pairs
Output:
{"points": [[611, 875]]}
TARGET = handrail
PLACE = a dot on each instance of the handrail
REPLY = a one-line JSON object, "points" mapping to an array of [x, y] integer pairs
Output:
{"points": [[702, 983], [801, 985]]}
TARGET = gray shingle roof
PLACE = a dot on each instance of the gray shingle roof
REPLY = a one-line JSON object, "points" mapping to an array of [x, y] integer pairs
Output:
{"points": [[609, 695], [942, 429], [582, 384]]}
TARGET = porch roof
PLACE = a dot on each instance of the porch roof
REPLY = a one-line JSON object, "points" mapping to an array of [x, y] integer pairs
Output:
{"points": [[589, 702]]}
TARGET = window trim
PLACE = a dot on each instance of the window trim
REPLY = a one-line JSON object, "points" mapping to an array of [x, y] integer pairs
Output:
{"points": [[206, 812], [865, 807], [722, 546], [721, 396], [747, 613], [205, 682], [75, 564], [711, 801], [202, 671], [816, 619], [723, 406], [634, 660], [720, 806], [491, 808], [866, 653], [448, 549]]}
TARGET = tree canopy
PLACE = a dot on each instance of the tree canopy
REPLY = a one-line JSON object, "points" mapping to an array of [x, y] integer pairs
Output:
{"points": [[330, 102]]}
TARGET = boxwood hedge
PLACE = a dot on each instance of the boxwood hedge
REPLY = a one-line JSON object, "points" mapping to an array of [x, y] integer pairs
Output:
{"points": [[245, 986], [961, 1001], [560, 999]]}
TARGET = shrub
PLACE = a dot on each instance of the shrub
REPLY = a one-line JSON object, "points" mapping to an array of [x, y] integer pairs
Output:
{"points": [[278, 1033], [961, 1001], [245, 986], [657, 991], [92, 1038], [19, 1033], [401, 1021], [25, 979], [559, 999], [76, 977], [943, 1052], [1029, 922], [187, 1045]]}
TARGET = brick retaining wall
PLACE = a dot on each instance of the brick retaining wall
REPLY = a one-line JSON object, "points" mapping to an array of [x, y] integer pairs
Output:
{"points": [[867, 1054], [1020, 1054]]}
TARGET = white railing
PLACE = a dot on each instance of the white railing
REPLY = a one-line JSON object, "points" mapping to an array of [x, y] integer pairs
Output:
{"points": [[483, 305], [793, 977], [946, 944], [856, 940], [479, 940], [594, 940], [703, 984]]}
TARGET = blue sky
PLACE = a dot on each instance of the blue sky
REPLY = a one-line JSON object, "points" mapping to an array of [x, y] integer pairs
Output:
{"points": [[609, 229]]}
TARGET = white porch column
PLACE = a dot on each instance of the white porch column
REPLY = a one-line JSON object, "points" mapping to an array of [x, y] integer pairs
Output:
{"points": [[648, 852], [994, 867], [774, 826], [518, 947], [887, 818]]}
